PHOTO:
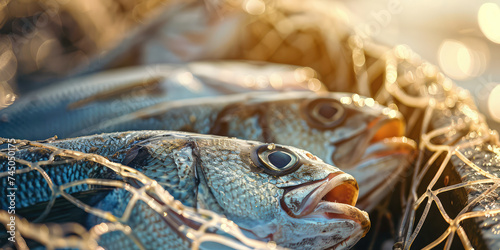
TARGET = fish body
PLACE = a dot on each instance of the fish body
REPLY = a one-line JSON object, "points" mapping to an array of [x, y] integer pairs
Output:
{"points": [[77, 103], [351, 132], [274, 192]]}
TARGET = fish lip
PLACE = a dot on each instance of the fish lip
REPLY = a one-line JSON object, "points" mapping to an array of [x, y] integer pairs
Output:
{"points": [[390, 146], [315, 206], [315, 202], [342, 211], [375, 135], [399, 152]]}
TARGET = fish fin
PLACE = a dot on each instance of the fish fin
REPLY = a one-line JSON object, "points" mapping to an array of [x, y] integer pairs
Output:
{"points": [[151, 86], [172, 165], [205, 199], [221, 124], [63, 210], [136, 156]]}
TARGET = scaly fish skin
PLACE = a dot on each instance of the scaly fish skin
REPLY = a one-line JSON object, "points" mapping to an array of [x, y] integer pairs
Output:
{"points": [[276, 192], [72, 105], [351, 132]]}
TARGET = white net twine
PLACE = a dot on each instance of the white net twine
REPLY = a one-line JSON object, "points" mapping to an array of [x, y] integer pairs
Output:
{"points": [[453, 134]]}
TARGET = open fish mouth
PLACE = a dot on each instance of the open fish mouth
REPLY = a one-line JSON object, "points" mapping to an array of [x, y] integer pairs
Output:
{"points": [[383, 136], [380, 159], [390, 146], [389, 140], [381, 166], [330, 198]]}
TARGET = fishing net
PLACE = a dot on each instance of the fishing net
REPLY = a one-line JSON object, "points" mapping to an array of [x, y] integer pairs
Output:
{"points": [[454, 184], [453, 190]]}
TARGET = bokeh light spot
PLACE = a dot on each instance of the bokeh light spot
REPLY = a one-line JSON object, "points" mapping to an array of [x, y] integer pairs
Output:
{"points": [[455, 59], [494, 103], [489, 21], [255, 7]]}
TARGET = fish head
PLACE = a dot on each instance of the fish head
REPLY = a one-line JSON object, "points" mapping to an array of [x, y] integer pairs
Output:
{"points": [[351, 132], [281, 193], [363, 138]]}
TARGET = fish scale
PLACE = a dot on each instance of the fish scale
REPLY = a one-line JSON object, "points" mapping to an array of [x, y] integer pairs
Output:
{"points": [[75, 104]]}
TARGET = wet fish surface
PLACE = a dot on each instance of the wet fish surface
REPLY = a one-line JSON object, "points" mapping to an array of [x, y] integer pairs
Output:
{"points": [[276, 192], [77, 103], [351, 132]]}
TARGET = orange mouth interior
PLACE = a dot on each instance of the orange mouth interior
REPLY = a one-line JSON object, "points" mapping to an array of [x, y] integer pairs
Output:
{"points": [[392, 128], [345, 193]]}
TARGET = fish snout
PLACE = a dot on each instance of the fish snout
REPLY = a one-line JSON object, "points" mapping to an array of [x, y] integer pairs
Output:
{"points": [[329, 204], [339, 190], [387, 127], [391, 146], [377, 135], [382, 165]]}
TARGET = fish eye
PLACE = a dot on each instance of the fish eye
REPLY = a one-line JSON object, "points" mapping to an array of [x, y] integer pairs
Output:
{"points": [[275, 160], [323, 113]]}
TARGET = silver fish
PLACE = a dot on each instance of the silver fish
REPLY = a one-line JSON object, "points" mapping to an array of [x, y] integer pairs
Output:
{"points": [[351, 132], [274, 192], [77, 103]]}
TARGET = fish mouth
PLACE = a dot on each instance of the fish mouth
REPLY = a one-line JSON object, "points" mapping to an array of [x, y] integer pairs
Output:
{"points": [[375, 141], [381, 166], [331, 198], [390, 146], [377, 157], [386, 127]]}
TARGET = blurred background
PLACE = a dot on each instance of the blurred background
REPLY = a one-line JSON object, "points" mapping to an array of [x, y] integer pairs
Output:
{"points": [[45, 40], [461, 37]]}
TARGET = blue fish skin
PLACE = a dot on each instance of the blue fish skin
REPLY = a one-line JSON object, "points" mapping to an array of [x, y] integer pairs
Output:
{"points": [[78, 103]]}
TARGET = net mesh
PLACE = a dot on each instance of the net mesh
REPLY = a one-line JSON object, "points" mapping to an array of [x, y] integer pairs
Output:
{"points": [[450, 129], [453, 188]]}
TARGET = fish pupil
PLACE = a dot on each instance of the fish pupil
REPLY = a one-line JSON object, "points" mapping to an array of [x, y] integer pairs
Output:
{"points": [[327, 111], [279, 159]]}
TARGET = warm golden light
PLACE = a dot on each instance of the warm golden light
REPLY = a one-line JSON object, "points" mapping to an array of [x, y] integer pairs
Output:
{"points": [[494, 103], [7, 96], [303, 74], [276, 81], [464, 59], [8, 62], [255, 7], [187, 79], [314, 84], [489, 21], [455, 59]]}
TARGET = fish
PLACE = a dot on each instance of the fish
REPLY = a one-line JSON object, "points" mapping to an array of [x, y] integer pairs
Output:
{"points": [[273, 192], [80, 102], [352, 132]]}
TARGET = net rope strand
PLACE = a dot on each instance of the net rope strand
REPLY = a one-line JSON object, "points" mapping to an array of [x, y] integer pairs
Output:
{"points": [[477, 124]]}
